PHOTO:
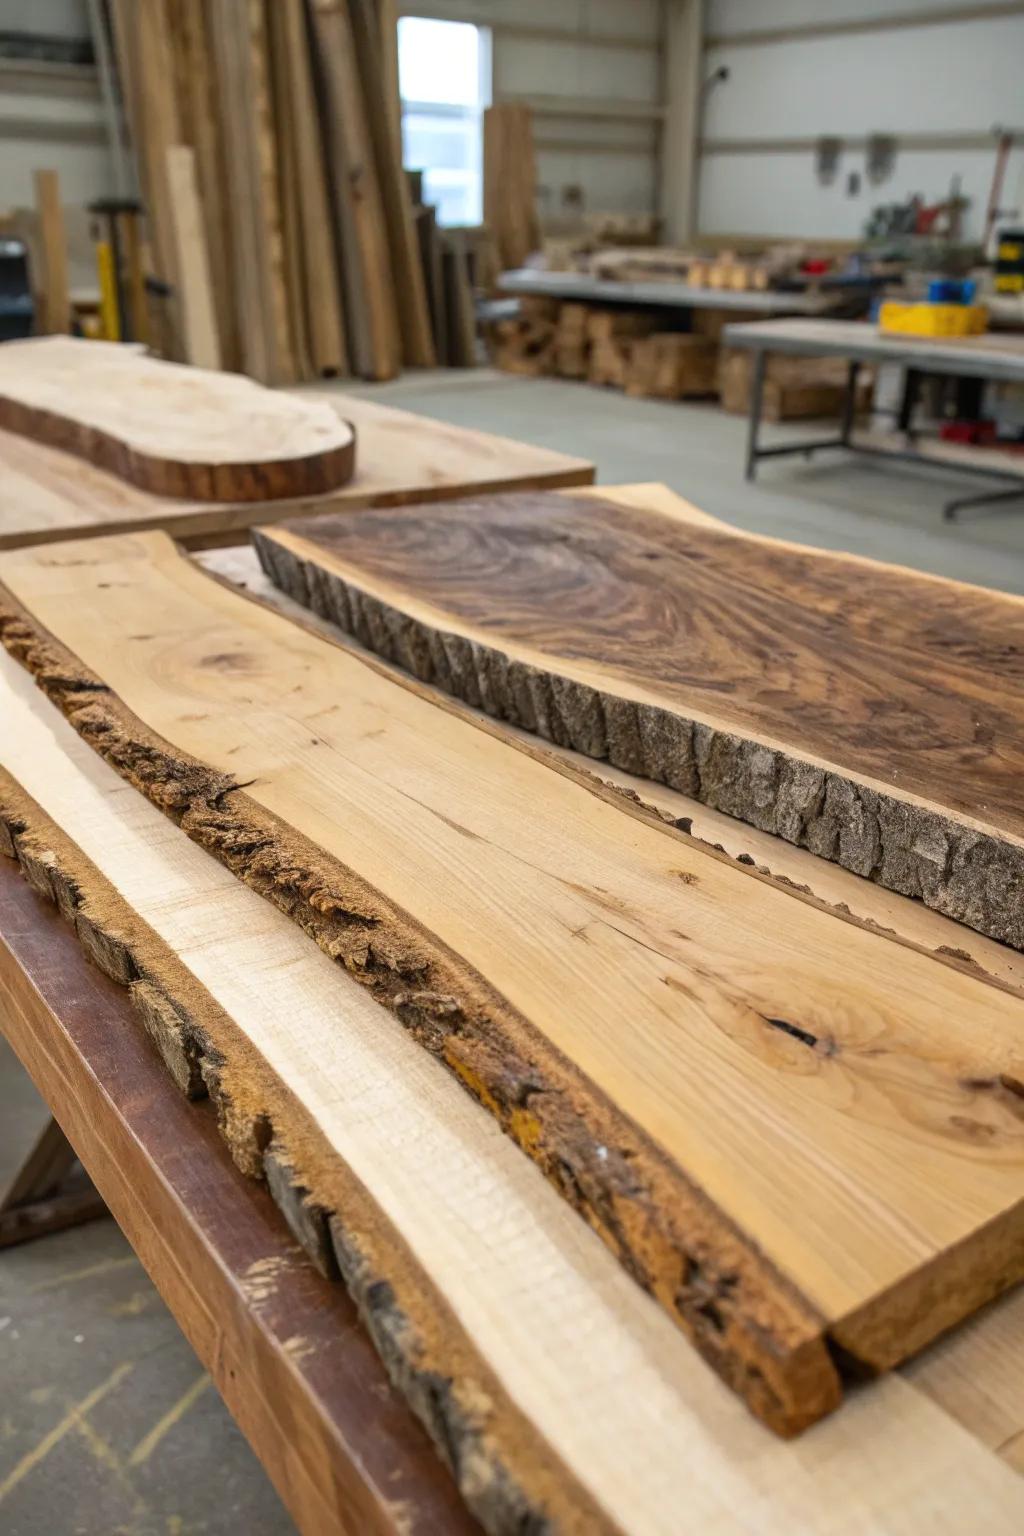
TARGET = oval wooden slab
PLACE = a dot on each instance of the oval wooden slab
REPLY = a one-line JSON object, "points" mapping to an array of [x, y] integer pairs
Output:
{"points": [[172, 430]]}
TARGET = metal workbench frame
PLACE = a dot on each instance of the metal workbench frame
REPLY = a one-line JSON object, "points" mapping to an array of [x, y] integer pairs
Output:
{"points": [[859, 344]]}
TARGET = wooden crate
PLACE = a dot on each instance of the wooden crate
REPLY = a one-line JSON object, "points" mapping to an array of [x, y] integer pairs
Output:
{"points": [[794, 387], [670, 366]]}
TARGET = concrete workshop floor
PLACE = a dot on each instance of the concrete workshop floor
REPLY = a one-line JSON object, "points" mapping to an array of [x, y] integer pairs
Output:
{"points": [[108, 1425]]}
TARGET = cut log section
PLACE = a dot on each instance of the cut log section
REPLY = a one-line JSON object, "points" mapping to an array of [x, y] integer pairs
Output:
{"points": [[792, 1131], [871, 714], [561, 1398], [171, 430]]}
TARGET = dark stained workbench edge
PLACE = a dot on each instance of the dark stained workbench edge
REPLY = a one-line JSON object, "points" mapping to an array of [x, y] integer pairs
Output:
{"points": [[284, 1347]]}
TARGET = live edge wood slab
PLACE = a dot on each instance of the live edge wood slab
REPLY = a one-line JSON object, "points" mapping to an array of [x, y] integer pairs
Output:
{"points": [[285, 1348], [47, 495], [170, 430], [872, 714], [796, 1134], [467, 1248]]}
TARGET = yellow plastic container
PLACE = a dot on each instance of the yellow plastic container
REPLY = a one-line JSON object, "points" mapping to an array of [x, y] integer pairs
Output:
{"points": [[932, 319]]}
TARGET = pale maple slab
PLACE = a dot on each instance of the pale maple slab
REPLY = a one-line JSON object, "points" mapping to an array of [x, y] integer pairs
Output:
{"points": [[172, 430], [570, 1398], [46, 494], [872, 714]]}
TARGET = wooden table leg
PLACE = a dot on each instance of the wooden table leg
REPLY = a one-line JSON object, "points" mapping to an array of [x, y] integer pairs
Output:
{"points": [[43, 1196]]}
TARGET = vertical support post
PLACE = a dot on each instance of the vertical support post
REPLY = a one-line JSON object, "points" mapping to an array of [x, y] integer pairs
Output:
{"points": [[850, 399], [911, 383], [682, 80], [754, 421]]}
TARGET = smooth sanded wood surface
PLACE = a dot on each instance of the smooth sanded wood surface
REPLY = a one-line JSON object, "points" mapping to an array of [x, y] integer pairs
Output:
{"points": [[542, 1341], [788, 1127], [172, 430], [48, 494], [872, 714]]}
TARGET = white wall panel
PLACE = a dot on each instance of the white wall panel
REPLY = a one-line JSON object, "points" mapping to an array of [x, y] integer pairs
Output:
{"points": [[778, 195], [962, 76], [528, 67], [957, 77], [725, 16], [620, 183]]}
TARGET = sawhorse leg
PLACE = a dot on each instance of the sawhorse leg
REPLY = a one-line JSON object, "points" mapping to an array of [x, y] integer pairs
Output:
{"points": [[41, 1198]]}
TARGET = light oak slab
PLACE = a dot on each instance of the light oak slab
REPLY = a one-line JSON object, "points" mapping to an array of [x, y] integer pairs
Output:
{"points": [[172, 430], [788, 1127], [168, 429], [48, 494], [872, 714], [582, 1406]]}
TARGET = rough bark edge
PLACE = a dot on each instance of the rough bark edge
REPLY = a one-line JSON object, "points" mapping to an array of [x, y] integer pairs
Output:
{"points": [[509, 1477], [748, 1321], [269, 480], [973, 877]]}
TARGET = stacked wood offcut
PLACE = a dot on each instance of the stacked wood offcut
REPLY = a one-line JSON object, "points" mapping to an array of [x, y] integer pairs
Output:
{"points": [[793, 386], [295, 212], [617, 347], [526, 343]]}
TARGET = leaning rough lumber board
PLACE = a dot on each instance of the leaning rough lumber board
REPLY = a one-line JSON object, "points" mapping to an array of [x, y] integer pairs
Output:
{"points": [[807, 1133], [172, 430], [872, 714], [563, 1398], [286, 1349], [47, 495]]}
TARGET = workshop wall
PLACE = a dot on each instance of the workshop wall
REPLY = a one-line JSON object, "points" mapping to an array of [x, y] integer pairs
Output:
{"points": [[591, 71], [796, 72], [51, 114]]}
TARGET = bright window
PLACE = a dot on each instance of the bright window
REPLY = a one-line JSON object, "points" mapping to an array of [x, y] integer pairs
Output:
{"points": [[444, 72]]}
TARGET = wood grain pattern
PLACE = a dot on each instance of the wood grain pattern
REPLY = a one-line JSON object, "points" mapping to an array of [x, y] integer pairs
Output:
{"points": [[545, 1316], [170, 430], [871, 714], [513, 916], [46, 494], [55, 313], [376, 345], [796, 870], [199, 323]]}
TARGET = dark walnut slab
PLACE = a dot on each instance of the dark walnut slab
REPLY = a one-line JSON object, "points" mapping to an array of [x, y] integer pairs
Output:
{"points": [[871, 714], [802, 1138], [171, 430]]}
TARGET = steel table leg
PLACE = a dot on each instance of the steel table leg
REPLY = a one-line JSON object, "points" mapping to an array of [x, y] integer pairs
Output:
{"points": [[754, 423]]}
